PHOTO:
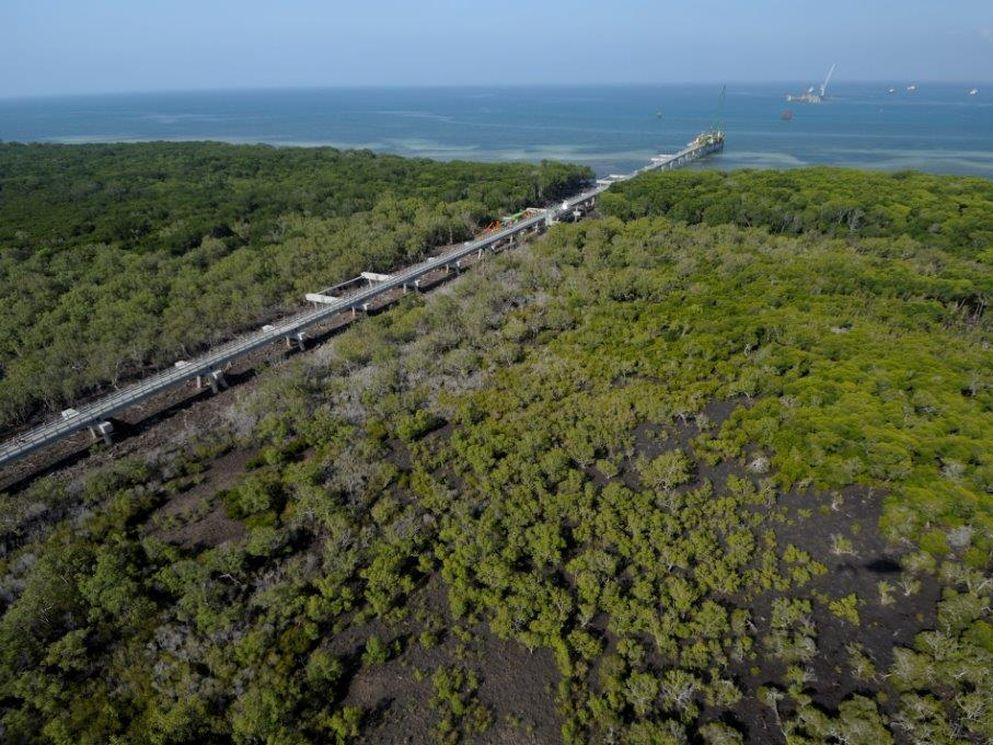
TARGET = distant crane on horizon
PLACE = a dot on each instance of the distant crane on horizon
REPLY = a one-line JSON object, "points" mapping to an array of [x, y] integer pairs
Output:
{"points": [[812, 95]]}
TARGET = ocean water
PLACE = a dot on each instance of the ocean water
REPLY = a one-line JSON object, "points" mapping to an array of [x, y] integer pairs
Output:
{"points": [[939, 128]]}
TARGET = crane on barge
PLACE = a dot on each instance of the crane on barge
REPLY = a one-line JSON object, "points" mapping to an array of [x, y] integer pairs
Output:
{"points": [[812, 95]]}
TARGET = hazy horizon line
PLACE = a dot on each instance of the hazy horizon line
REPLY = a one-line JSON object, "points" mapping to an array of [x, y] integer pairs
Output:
{"points": [[470, 86]]}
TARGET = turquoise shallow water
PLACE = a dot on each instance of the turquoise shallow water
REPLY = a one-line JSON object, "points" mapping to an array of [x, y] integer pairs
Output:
{"points": [[939, 128]]}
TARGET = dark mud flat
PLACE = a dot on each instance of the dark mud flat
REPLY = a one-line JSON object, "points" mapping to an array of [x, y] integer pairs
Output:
{"points": [[195, 519], [517, 686], [809, 520], [812, 521], [884, 625]]}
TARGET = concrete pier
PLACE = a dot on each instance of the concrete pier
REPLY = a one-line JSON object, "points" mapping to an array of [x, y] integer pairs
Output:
{"points": [[216, 380], [103, 431], [298, 340]]}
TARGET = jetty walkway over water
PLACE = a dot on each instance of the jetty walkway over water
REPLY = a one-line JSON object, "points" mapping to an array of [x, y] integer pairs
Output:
{"points": [[208, 369]]}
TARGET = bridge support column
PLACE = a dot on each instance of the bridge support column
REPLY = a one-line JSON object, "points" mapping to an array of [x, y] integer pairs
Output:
{"points": [[417, 285], [216, 381], [298, 340], [103, 431]]}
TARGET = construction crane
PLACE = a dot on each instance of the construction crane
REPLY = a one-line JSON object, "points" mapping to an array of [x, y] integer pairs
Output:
{"points": [[718, 125], [713, 139], [827, 80]]}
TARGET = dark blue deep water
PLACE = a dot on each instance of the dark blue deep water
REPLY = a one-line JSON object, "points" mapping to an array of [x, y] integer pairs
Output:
{"points": [[939, 128]]}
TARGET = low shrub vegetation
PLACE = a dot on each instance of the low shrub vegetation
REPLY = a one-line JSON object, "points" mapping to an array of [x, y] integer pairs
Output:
{"points": [[726, 474]]}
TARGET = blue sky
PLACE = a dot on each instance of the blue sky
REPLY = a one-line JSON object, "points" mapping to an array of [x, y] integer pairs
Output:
{"points": [[84, 46]]}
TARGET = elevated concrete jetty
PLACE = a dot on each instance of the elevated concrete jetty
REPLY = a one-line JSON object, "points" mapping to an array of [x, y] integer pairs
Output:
{"points": [[354, 295]]}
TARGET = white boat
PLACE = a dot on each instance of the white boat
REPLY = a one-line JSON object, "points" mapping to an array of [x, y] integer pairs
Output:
{"points": [[892, 90], [974, 92], [911, 88]]}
